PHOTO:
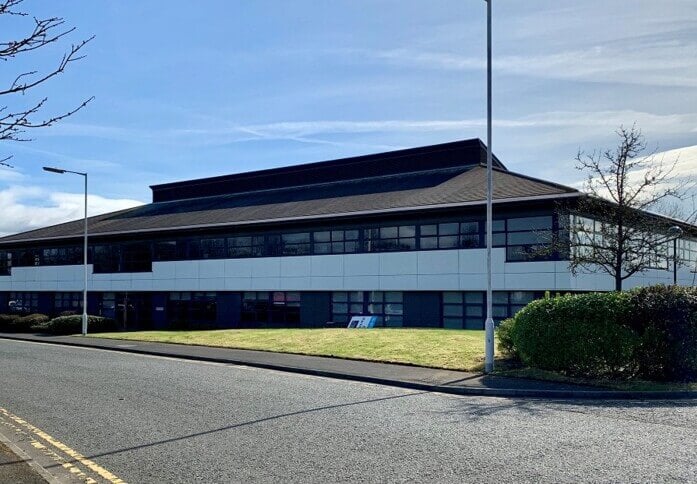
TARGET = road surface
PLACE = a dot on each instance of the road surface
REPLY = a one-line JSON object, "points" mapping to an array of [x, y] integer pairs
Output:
{"points": [[150, 419]]}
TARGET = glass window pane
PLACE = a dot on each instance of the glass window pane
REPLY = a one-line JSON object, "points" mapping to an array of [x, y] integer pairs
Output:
{"points": [[339, 297], [340, 308], [296, 238], [500, 297], [337, 235], [469, 241], [337, 247], [429, 230], [407, 244], [452, 323], [449, 242], [452, 297], [352, 246], [448, 229], [393, 296], [351, 235], [388, 232], [322, 236], [474, 311], [429, 243], [475, 297], [469, 228], [500, 311], [452, 310], [356, 308], [521, 297], [322, 248], [530, 223], [407, 231]]}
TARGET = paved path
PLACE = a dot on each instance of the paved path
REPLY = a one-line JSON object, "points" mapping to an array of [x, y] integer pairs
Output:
{"points": [[14, 470], [153, 419]]}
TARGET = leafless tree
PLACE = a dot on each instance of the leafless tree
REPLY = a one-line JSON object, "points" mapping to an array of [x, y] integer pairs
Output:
{"points": [[16, 121], [610, 229]]}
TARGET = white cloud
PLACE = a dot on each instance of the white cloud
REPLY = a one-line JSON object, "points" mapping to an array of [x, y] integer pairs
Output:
{"points": [[30, 207]]}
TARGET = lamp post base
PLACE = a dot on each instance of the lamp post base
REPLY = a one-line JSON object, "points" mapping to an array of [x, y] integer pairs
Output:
{"points": [[84, 324], [489, 352]]}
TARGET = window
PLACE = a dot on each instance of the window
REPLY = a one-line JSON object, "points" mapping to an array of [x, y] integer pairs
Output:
{"points": [[213, 249], [136, 257], [295, 244], [23, 302], [167, 250], [345, 305], [192, 309], [264, 308], [26, 258], [506, 303], [255, 307], [58, 256], [529, 238], [285, 309], [67, 301], [687, 253], [5, 263], [106, 258], [336, 242], [463, 310], [387, 306], [385, 239], [246, 246], [451, 235]]}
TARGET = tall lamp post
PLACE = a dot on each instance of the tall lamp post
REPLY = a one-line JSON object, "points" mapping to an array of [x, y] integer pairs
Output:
{"points": [[489, 324], [84, 252], [675, 232]]}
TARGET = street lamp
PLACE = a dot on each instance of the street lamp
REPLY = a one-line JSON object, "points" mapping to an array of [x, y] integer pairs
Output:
{"points": [[675, 233], [84, 252], [489, 324]]}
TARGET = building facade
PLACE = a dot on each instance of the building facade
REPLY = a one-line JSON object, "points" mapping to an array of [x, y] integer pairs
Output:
{"points": [[398, 235]]}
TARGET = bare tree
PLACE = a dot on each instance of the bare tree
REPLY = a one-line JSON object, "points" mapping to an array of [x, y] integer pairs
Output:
{"points": [[16, 121], [610, 229]]}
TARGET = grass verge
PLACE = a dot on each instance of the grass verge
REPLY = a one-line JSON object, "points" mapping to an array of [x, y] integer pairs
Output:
{"points": [[436, 348]]}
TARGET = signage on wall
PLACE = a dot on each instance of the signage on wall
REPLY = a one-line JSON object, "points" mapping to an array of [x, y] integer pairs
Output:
{"points": [[362, 322]]}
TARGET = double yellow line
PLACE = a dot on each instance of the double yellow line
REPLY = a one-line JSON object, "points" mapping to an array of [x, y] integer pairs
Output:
{"points": [[56, 444]]}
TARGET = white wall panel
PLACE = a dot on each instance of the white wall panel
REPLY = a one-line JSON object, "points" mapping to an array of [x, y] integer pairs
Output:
{"points": [[398, 263], [438, 262], [296, 266], [440, 270]]}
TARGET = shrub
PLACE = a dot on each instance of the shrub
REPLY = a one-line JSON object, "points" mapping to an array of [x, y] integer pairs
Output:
{"points": [[19, 323], [578, 335], [665, 318], [505, 337], [73, 324], [7, 321]]}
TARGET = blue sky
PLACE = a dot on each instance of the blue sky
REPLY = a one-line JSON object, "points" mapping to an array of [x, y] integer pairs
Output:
{"points": [[219, 87]]}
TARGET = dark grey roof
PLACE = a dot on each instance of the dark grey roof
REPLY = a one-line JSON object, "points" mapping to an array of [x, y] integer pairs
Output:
{"points": [[403, 192], [455, 154]]}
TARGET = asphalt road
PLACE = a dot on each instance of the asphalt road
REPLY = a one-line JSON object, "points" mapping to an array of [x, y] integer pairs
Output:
{"points": [[150, 419]]}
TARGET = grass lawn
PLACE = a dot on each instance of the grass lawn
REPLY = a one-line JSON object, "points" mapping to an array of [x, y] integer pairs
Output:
{"points": [[437, 348]]}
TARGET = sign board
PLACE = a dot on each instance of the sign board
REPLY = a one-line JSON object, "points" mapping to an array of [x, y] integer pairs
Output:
{"points": [[362, 322]]}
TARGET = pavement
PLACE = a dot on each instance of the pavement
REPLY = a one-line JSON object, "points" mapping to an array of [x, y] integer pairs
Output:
{"points": [[405, 376], [16, 470], [119, 416]]}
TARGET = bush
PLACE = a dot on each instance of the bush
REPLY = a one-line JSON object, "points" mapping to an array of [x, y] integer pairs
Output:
{"points": [[73, 324], [7, 321], [665, 318], [19, 323], [578, 335], [505, 337]]}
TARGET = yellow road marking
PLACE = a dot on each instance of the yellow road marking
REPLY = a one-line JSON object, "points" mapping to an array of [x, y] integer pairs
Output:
{"points": [[93, 466]]}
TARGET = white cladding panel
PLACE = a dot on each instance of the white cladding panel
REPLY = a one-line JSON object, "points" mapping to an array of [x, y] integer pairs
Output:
{"points": [[439, 270]]}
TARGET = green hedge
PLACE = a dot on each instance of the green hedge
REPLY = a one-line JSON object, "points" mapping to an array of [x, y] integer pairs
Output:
{"points": [[19, 323], [73, 324], [649, 333]]}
